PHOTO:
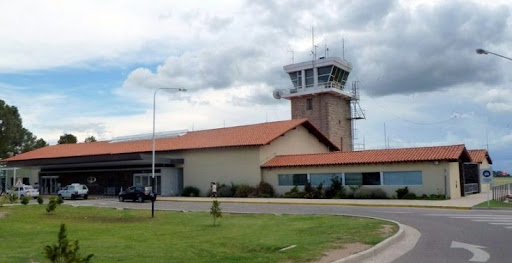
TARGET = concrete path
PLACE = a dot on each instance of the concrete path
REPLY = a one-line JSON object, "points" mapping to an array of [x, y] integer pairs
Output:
{"points": [[458, 203]]}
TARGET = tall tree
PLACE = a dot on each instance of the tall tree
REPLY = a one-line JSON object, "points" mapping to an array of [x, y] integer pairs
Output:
{"points": [[90, 139], [14, 139], [67, 138]]}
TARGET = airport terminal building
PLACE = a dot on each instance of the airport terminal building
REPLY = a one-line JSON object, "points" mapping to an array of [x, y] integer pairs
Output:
{"points": [[316, 144]]}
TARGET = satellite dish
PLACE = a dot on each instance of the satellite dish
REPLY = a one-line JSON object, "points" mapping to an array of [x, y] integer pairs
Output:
{"points": [[276, 94]]}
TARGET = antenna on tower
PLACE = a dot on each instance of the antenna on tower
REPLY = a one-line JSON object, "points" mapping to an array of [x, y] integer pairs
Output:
{"points": [[343, 48], [293, 55], [326, 49], [313, 50]]}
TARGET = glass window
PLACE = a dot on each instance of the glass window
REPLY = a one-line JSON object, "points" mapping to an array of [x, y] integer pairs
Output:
{"points": [[353, 179], [403, 178], [372, 178], [323, 178], [309, 78], [309, 104], [293, 179], [296, 78], [323, 74]]}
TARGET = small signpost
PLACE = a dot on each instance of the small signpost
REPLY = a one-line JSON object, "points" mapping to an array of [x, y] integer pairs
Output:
{"points": [[19, 184], [486, 177]]}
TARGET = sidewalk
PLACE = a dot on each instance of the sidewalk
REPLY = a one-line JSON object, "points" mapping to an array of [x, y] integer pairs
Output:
{"points": [[458, 203]]}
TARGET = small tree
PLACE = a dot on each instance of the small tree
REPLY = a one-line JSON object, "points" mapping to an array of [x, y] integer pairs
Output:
{"points": [[64, 250], [215, 211], [90, 139], [25, 200], [40, 200], [67, 138], [52, 204]]}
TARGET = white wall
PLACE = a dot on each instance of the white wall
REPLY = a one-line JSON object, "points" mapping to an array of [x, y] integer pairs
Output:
{"points": [[433, 175]]}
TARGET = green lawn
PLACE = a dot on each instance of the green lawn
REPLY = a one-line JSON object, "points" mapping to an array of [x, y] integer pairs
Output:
{"points": [[132, 236], [502, 180], [493, 203]]}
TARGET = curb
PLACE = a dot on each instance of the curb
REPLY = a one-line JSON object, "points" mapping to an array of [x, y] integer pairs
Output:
{"points": [[363, 255], [491, 208], [320, 203]]}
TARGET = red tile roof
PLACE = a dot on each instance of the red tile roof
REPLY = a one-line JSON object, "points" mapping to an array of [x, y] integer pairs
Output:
{"points": [[420, 154], [248, 135], [479, 156]]}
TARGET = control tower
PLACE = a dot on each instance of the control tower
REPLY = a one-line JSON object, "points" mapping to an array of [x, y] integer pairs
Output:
{"points": [[319, 94]]}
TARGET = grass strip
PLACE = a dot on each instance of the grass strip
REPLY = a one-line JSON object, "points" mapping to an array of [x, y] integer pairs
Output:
{"points": [[132, 236]]}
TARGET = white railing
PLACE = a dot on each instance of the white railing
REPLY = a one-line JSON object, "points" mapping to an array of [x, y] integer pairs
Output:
{"points": [[500, 192]]}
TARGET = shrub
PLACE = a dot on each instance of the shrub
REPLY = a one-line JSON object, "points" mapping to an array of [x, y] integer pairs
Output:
{"points": [[215, 211], [52, 205], [226, 190], [294, 193], [340, 194], [60, 200], [353, 190], [190, 191], [409, 196], [379, 194], [244, 190], [334, 190], [3, 199], [13, 197], [264, 189], [40, 200], [370, 193], [25, 200], [401, 192], [362, 193], [65, 251]]}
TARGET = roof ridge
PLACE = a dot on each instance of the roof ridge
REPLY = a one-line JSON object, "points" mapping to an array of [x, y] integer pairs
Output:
{"points": [[247, 125], [374, 150]]}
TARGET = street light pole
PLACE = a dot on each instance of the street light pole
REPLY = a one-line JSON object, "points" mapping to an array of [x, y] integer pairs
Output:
{"points": [[485, 52], [153, 151]]}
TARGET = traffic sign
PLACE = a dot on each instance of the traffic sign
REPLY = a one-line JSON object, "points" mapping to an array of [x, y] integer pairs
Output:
{"points": [[19, 183], [486, 176]]}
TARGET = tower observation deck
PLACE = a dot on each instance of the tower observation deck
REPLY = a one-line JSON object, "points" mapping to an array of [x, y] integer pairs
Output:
{"points": [[318, 93]]}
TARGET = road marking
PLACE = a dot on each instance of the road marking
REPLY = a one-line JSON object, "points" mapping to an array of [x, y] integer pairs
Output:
{"points": [[481, 217], [501, 223], [491, 220], [391, 212], [479, 255], [468, 215]]}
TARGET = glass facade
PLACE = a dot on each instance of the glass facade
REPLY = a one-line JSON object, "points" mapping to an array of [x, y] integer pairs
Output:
{"points": [[292, 179], [403, 178], [372, 178], [323, 178]]}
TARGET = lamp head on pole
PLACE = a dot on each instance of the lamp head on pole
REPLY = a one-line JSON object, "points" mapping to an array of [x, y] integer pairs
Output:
{"points": [[481, 51]]}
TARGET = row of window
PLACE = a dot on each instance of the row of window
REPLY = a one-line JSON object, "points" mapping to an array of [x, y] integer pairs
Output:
{"points": [[325, 74], [369, 178]]}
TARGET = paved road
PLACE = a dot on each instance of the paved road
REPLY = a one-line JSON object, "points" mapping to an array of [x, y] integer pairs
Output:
{"points": [[446, 235]]}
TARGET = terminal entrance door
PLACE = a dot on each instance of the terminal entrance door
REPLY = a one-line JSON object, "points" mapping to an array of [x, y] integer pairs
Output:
{"points": [[144, 179], [49, 185]]}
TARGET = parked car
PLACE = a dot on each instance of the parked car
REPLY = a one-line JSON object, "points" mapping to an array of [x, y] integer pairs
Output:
{"points": [[137, 193], [25, 190], [73, 191]]}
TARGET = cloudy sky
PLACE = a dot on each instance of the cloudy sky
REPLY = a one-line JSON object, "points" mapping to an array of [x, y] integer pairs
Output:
{"points": [[90, 67]]}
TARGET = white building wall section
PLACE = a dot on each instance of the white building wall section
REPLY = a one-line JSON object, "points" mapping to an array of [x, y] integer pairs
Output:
{"points": [[295, 141], [433, 176]]}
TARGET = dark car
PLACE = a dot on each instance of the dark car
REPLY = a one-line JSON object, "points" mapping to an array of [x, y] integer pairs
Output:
{"points": [[137, 193]]}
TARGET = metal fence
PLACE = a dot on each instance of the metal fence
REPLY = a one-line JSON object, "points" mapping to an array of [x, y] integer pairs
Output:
{"points": [[471, 188], [500, 192]]}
